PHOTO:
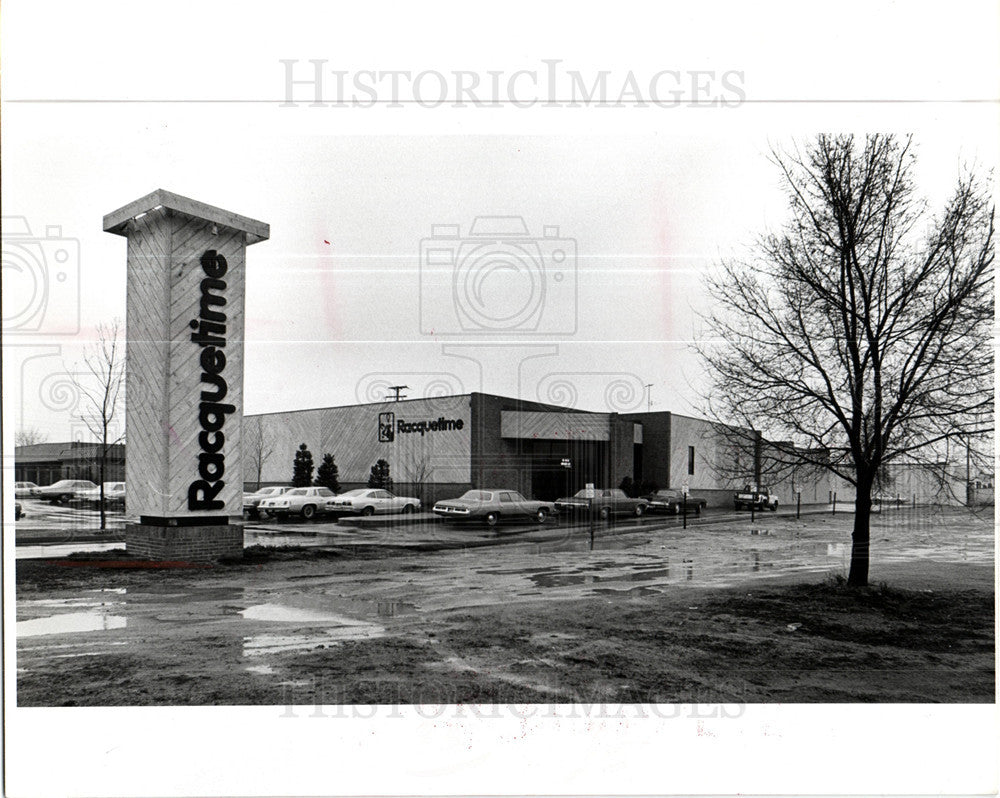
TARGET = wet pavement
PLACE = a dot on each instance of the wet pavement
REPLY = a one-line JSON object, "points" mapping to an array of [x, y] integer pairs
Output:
{"points": [[303, 605]]}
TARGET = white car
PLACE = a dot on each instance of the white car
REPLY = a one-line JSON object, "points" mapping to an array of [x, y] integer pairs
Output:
{"points": [[25, 490], [65, 489], [301, 501], [114, 493], [251, 501], [368, 501]]}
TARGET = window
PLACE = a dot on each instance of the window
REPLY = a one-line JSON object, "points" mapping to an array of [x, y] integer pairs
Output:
{"points": [[690, 459], [505, 497]]}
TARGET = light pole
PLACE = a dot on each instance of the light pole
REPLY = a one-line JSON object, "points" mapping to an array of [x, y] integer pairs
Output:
{"points": [[649, 396]]}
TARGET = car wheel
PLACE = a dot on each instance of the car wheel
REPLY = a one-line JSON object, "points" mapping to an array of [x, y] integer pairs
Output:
{"points": [[605, 513], [407, 509], [308, 511], [697, 509], [368, 511], [492, 519], [774, 507], [541, 515], [262, 515], [639, 510]]}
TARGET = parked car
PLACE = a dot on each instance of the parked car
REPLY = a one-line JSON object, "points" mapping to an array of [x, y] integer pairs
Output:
{"points": [[491, 505], [369, 501], [754, 497], [25, 490], [251, 501], [64, 490], [674, 503], [300, 501], [606, 502], [114, 494]]}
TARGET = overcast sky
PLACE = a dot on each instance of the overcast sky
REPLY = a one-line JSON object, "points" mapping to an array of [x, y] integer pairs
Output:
{"points": [[340, 302], [104, 102]]}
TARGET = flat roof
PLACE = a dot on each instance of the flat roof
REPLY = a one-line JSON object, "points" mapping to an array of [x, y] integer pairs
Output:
{"points": [[116, 221]]}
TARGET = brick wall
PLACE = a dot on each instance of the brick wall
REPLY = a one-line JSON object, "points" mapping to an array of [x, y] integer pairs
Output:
{"points": [[184, 543]]}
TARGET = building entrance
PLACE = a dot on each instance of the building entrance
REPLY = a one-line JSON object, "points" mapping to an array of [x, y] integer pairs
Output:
{"points": [[561, 468]]}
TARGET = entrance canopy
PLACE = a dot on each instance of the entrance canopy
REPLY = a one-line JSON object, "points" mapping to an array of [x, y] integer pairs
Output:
{"points": [[540, 425]]}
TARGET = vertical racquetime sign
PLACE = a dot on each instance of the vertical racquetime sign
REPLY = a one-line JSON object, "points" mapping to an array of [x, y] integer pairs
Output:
{"points": [[184, 374]]}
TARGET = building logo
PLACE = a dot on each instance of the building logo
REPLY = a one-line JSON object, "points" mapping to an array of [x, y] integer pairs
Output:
{"points": [[386, 424], [210, 334]]}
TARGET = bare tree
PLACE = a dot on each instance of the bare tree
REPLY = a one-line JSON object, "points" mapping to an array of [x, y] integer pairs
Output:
{"points": [[861, 331], [258, 446], [418, 471], [29, 436], [101, 391]]}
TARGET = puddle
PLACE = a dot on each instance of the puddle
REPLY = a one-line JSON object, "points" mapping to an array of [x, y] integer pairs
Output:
{"points": [[277, 539], [305, 617], [263, 670], [262, 645], [63, 549], [69, 623], [390, 609], [338, 628]]}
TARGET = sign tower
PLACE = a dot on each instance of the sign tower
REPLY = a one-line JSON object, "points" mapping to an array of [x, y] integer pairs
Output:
{"points": [[184, 375]]}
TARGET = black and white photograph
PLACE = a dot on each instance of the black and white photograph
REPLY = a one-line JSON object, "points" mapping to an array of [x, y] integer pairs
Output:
{"points": [[522, 400]]}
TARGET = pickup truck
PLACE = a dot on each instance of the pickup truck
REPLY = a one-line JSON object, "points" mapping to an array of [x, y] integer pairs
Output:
{"points": [[754, 497]]}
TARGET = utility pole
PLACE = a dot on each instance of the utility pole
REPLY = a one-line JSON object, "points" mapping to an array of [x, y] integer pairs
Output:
{"points": [[649, 396], [396, 392]]}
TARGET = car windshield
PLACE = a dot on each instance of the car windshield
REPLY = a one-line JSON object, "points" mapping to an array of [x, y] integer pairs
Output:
{"points": [[582, 494], [355, 492], [324, 492], [477, 496], [270, 491]]}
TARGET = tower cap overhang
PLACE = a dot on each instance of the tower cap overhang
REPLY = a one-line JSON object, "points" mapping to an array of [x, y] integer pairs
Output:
{"points": [[117, 221]]}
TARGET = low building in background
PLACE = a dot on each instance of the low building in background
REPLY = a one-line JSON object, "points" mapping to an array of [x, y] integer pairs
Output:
{"points": [[45, 463], [440, 447]]}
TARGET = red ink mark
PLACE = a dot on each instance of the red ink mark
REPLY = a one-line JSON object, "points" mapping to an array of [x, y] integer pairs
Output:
{"points": [[325, 241], [126, 564]]}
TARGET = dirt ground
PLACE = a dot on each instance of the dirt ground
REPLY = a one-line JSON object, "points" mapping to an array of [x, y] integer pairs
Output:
{"points": [[719, 615]]}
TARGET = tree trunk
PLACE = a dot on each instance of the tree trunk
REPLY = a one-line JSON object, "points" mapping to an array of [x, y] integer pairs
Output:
{"points": [[860, 540], [103, 471], [104, 522]]}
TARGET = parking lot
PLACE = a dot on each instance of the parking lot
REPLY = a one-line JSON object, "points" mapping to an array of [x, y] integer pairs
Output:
{"points": [[416, 609], [76, 529]]}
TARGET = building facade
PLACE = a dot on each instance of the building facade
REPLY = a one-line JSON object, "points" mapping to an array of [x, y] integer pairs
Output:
{"points": [[440, 447], [45, 463]]}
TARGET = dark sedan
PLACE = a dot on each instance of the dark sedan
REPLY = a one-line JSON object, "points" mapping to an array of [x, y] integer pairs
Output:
{"points": [[674, 503], [605, 503]]}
